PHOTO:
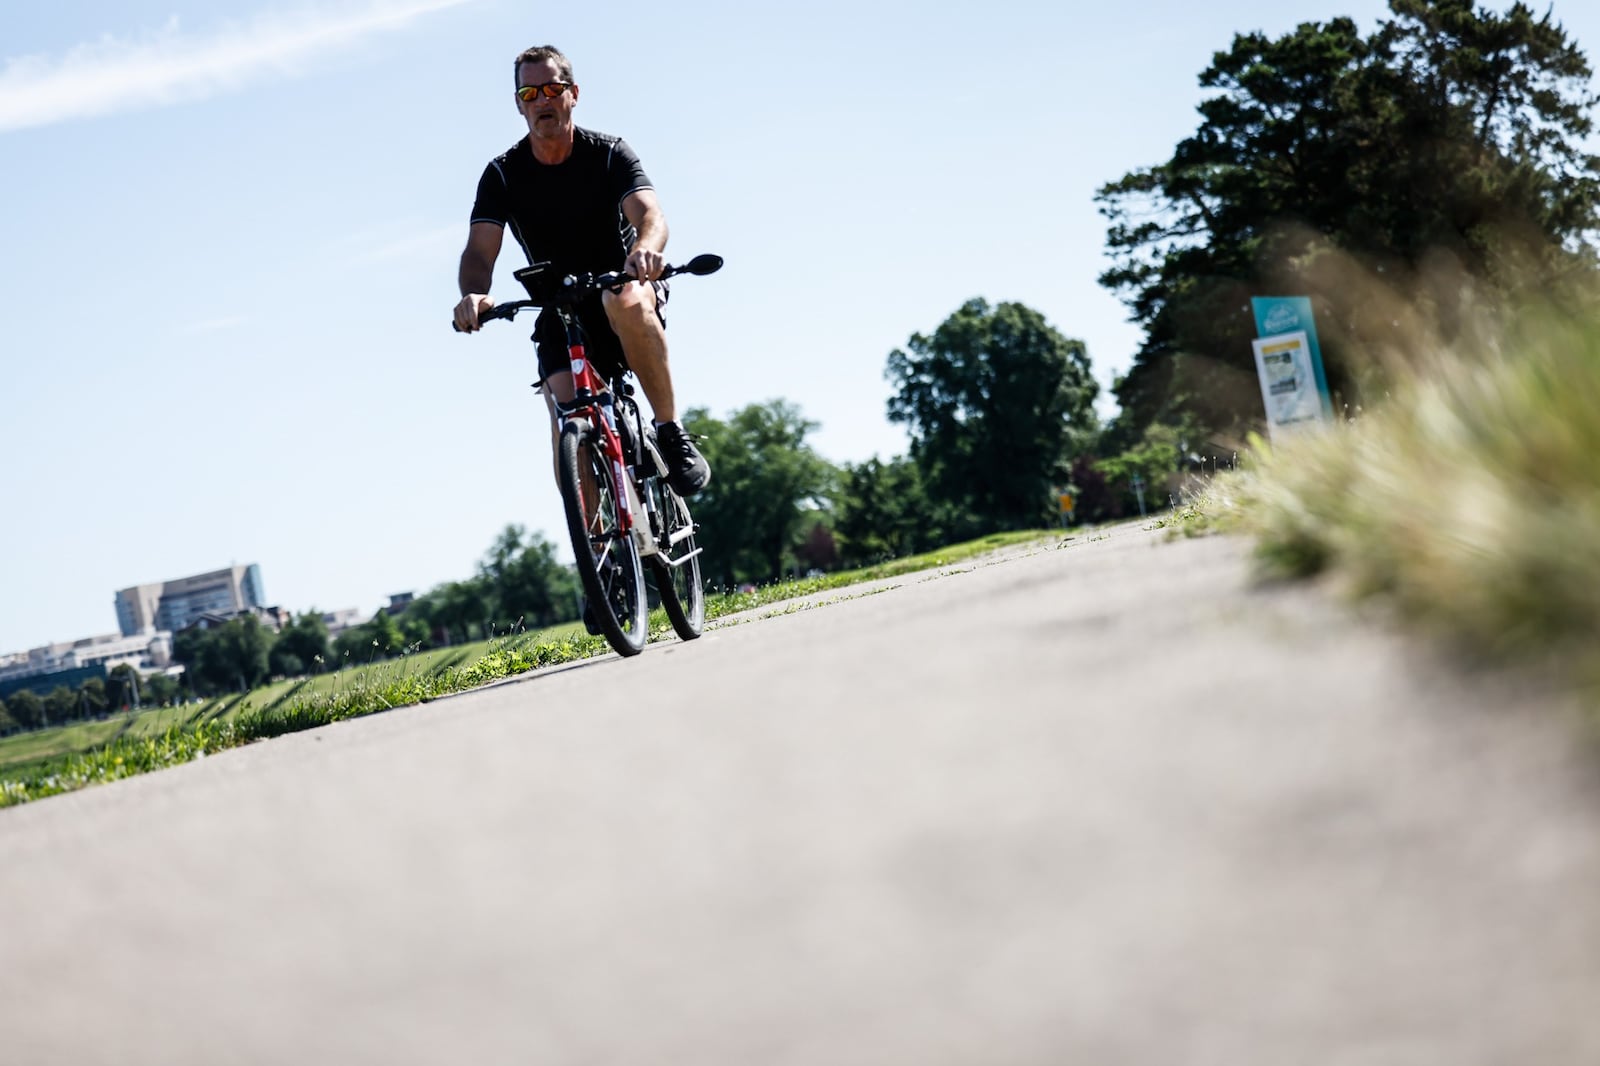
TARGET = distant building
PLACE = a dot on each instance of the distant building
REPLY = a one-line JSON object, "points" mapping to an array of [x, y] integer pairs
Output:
{"points": [[273, 618], [341, 620], [43, 668], [177, 604]]}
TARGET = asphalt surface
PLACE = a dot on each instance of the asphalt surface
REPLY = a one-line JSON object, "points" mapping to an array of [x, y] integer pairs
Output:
{"points": [[1105, 803]]}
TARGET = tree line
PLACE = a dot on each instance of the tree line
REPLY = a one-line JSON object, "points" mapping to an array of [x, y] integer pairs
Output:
{"points": [[96, 697]]}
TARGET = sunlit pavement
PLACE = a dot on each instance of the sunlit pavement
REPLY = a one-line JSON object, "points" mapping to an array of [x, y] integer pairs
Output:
{"points": [[1107, 803]]}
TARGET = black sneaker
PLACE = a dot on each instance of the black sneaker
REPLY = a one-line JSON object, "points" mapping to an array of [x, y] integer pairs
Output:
{"points": [[687, 470], [589, 622]]}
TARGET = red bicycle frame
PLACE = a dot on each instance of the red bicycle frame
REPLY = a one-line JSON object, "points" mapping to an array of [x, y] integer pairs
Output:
{"points": [[592, 400]]}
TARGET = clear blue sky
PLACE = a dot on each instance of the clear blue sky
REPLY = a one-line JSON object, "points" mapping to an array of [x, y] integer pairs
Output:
{"points": [[229, 234]]}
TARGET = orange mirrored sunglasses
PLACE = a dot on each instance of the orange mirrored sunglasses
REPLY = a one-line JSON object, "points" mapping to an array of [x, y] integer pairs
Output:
{"points": [[551, 90]]}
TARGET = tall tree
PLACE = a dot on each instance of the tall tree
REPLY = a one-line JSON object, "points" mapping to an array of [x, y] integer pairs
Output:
{"points": [[242, 646], [998, 402], [1448, 129], [62, 705], [122, 686], [527, 582], [27, 708], [92, 699], [301, 647], [233, 655], [766, 475], [885, 513], [160, 690], [459, 609], [8, 724]]}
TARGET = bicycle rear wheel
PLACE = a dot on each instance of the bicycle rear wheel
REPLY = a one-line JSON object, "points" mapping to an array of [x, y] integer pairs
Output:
{"points": [[676, 569], [608, 562]]}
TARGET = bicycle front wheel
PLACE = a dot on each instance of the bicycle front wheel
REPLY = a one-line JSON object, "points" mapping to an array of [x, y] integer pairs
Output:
{"points": [[608, 562], [676, 567]]}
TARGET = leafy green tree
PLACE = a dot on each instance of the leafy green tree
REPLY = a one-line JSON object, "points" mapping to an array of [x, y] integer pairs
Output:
{"points": [[301, 647], [61, 705], [231, 656], [27, 709], [1442, 132], [526, 581], [122, 687], [998, 403], [386, 636], [160, 690], [195, 649], [460, 610], [356, 645], [189, 646], [414, 628], [8, 724], [884, 513], [1153, 461], [765, 477], [243, 646], [92, 699]]}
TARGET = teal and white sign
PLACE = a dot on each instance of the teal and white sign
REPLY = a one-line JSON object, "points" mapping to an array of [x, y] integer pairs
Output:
{"points": [[1289, 361]]}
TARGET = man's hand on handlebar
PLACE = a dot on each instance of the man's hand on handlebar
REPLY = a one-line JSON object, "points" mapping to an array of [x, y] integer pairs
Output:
{"points": [[645, 264], [467, 311]]}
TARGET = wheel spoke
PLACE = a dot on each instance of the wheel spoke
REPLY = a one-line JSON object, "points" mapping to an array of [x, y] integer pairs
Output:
{"points": [[608, 563]]}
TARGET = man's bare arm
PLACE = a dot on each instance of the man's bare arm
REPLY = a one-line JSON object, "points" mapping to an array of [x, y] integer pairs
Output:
{"points": [[476, 273], [643, 211]]}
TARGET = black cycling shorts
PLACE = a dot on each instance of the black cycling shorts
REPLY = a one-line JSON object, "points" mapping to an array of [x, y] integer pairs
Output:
{"points": [[601, 345]]}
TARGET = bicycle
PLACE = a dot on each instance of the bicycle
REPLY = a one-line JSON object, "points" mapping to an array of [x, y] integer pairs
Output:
{"points": [[610, 472]]}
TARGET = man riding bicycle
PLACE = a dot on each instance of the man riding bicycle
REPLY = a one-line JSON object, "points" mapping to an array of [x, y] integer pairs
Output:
{"points": [[580, 201]]}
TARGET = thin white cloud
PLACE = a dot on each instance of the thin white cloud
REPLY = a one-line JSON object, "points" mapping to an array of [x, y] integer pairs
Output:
{"points": [[168, 66], [424, 244], [211, 325]]}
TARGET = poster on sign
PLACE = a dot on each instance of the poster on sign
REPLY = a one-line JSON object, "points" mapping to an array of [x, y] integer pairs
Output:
{"points": [[1288, 382], [1278, 317]]}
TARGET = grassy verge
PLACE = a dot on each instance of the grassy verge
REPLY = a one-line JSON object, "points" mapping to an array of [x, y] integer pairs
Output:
{"points": [[124, 746], [1470, 501]]}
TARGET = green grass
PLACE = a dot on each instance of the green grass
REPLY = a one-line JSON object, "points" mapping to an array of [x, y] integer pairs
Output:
{"points": [[53, 761], [1470, 501], [46, 751]]}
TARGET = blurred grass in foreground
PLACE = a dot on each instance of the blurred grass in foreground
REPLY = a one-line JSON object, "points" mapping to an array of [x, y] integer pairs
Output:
{"points": [[1469, 499]]}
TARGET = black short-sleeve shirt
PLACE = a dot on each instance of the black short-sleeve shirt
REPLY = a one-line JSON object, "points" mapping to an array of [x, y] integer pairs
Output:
{"points": [[569, 214]]}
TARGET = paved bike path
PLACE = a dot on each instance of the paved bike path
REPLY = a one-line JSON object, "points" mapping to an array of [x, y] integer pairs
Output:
{"points": [[1106, 803]]}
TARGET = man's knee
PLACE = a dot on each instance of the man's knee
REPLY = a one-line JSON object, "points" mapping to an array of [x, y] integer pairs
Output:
{"points": [[634, 306]]}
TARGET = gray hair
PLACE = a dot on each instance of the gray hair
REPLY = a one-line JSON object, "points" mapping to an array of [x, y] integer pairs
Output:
{"points": [[539, 55]]}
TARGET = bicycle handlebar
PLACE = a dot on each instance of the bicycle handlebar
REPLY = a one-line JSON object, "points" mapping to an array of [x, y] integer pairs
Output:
{"points": [[574, 287]]}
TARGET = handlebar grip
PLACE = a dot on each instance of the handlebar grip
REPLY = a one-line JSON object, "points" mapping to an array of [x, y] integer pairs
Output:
{"points": [[497, 311]]}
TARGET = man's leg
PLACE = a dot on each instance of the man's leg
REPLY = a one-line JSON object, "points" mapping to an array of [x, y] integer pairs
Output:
{"points": [[637, 323], [633, 318], [557, 387]]}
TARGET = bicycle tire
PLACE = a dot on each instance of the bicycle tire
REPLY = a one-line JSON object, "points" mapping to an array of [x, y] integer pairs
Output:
{"points": [[608, 561], [680, 589]]}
